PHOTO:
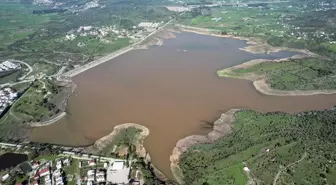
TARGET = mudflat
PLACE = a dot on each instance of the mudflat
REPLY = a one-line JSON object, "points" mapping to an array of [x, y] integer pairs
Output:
{"points": [[173, 90]]}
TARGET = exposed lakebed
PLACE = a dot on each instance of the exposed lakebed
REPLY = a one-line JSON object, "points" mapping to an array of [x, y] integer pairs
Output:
{"points": [[173, 90]]}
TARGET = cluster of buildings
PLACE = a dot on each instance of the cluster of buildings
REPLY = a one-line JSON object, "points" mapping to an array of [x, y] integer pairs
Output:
{"points": [[178, 8], [49, 174], [95, 176], [112, 172], [7, 97], [99, 32], [9, 66], [149, 26]]}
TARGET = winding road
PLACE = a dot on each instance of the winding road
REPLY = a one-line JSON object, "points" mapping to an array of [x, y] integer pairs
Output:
{"points": [[284, 168]]}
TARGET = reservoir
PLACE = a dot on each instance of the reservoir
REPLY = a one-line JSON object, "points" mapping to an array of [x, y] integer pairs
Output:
{"points": [[9, 160], [172, 90]]}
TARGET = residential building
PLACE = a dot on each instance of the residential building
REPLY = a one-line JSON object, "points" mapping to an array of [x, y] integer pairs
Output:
{"points": [[44, 172], [92, 162]]}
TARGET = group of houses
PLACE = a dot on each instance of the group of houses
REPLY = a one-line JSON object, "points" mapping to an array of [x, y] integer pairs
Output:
{"points": [[9, 66], [7, 97], [49, 174]]}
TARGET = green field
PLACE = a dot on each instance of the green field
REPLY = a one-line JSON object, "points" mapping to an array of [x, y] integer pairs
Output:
{"points": [[298, 74], [300, 147], [284, 24]]}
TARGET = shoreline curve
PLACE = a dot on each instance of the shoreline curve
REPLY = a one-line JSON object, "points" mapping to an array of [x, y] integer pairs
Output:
{"points": [[258, 46], [260, 81], [221, 128]]}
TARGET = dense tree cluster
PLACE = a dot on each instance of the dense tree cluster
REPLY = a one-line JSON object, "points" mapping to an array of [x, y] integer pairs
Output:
{"points": [[285, 137]]}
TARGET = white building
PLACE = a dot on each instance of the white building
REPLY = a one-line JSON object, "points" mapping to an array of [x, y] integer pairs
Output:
{"points": [[9, 66], [5, 177], [118, 165], [7, 97], [58, 164], [100, 176], [118, 173]]}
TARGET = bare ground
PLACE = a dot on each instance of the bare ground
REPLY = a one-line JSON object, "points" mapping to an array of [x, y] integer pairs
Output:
{"points": [[221, 128]]}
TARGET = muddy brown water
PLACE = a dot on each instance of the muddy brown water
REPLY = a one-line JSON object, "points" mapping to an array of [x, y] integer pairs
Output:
{"points": [[170, 91]]}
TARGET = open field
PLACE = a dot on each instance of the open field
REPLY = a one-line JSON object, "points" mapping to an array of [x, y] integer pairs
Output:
{"points": [[275, 147]]}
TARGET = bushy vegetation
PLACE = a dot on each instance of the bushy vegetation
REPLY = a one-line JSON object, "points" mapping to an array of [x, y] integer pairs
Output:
{"points": [[300, 147], [125, 138], [298, 74]]}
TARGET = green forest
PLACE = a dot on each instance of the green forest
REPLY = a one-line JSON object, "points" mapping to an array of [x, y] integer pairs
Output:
{"points": [[285, 148]]}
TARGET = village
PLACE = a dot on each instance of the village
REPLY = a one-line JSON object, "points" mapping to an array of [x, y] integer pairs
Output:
{"points": [[71, 168]]}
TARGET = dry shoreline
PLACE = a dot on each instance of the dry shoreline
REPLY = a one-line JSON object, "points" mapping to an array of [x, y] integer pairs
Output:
{"points": [[101, 143], [260, 82], [221, 128], [256, 45]]}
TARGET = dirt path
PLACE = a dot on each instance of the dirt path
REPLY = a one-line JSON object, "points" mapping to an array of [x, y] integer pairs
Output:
{"points": [[51, 121], [284, 168]]}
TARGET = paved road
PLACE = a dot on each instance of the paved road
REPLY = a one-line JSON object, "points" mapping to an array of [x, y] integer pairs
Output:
{"points": [[28, 66]]}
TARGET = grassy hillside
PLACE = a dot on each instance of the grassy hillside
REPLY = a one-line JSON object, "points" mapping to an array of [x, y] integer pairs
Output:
{"points": [[299, 74], [300, 148]]}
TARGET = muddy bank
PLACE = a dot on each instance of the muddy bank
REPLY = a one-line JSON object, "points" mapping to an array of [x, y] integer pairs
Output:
{"points": [[262, 86], [103, 142], [260, 81], [256, 45], [221, 128]]}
